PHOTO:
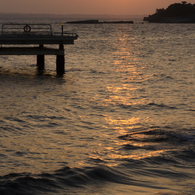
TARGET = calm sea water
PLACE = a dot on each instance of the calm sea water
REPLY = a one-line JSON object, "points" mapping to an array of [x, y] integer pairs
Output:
{"points": [[120, 121]]}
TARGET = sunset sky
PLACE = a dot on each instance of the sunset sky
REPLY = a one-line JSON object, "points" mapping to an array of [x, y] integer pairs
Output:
{"points": [[116, 7]]}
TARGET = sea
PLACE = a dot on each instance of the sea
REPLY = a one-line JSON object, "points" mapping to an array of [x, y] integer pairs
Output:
{"points": [[120, 121]]}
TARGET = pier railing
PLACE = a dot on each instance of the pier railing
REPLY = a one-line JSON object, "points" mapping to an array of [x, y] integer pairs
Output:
{"points": [[26, 29]]}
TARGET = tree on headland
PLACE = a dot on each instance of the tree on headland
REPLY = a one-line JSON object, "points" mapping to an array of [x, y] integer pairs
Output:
{"points": [[184, 2]]}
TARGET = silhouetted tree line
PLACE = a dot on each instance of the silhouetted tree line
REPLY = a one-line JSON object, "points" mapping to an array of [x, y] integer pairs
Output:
{"points": [[179, 12], [183, 9]]}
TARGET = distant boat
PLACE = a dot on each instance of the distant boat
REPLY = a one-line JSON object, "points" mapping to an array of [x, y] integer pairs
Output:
{"points": [[84, 22]]}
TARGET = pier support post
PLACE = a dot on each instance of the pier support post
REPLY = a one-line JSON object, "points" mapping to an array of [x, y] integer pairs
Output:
{"points": [[40, 60], [60, 62]]}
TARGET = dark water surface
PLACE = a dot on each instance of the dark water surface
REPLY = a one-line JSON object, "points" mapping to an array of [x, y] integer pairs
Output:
{"points": [[120, 121]]}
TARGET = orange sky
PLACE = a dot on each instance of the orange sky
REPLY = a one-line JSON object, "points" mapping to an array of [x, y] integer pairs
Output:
{"points": [[116, 7]]}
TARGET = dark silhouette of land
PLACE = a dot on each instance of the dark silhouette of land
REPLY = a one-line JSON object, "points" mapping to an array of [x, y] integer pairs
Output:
{"points": [[98, 22], [176, 13]]}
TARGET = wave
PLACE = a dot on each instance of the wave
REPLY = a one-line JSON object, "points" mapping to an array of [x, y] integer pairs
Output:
{"points": [[158, 135], [147, 106], [75, 180], [160, 105], [161, 146], [61, 180], [162, 153]]}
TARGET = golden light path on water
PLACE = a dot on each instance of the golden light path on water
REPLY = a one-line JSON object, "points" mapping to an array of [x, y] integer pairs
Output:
{"points": [[132, 73]]}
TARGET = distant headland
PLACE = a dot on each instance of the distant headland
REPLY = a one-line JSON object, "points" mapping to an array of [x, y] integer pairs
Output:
{"points": [[176, 13]]}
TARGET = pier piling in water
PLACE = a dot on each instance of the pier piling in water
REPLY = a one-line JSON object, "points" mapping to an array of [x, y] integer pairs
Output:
{"points": [[41, 60], [60, 62]]}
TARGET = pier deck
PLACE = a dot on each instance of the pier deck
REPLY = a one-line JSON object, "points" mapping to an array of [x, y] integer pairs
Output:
{"points": [[21, 39], [30, 51], [21, 35]]}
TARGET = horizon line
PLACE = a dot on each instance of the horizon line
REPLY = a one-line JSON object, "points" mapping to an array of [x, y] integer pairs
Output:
{"points": [[73, 15]]}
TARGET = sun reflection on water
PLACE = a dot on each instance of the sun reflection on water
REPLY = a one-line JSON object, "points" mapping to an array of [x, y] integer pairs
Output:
{"points": [[139, 155], [122, 122], [126, 91]]}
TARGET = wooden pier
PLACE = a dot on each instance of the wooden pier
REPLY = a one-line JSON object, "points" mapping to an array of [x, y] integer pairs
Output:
{"points": [[16, 37]]}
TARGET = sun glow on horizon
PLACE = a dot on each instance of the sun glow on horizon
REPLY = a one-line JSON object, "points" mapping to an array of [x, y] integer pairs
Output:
{"points": [[114, 7]]}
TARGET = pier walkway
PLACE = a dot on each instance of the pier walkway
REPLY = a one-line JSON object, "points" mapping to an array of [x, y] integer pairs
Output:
{"points": [[15, 39]]}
